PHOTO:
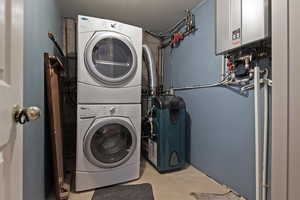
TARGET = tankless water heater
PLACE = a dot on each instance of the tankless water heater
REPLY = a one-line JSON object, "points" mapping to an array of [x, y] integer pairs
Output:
{"points": [[241, 22]]}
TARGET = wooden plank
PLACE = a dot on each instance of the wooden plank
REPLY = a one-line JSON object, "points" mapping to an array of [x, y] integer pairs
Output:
{"points": [[53, 66]]}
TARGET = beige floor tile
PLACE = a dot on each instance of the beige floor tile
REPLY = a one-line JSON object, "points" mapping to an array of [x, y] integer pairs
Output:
{"points": [[81, 196], [170, 186]]}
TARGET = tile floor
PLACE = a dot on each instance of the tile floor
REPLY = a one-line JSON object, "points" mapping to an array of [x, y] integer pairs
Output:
{"points": [[170, 186]]}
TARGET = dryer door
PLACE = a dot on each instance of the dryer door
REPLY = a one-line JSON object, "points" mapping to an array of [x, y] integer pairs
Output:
{"points": [[111, 58], [110, 142]]}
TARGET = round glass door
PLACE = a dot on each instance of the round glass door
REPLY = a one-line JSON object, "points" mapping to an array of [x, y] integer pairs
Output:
{"points": [[110, 143], [110, 58]]}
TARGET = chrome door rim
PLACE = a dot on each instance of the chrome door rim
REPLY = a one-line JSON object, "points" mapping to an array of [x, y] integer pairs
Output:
{"points": [[95, 127], [110, 82]]}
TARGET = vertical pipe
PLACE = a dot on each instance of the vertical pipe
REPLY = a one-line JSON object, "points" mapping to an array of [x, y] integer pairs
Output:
{"points": [[161, 62], [223, 68], [162, 67], [66, 47], [257, 133], [266, 137]]}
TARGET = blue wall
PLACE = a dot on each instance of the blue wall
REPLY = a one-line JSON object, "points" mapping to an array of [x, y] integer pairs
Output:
{"points": [[41, 16], [222, 121]]}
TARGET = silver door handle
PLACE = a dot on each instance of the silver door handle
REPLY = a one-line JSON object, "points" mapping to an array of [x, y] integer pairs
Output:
{"points": [[23, 115]]}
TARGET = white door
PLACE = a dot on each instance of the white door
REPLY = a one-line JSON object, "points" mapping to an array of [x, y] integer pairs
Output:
{"points": [[11, 82]]}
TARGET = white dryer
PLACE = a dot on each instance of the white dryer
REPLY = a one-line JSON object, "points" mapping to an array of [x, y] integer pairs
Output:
{"points": [[108, 145], [109, 61]]}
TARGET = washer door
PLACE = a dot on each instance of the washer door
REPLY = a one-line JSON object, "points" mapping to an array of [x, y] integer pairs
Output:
{"points": [[110, 142], [110, 58]]}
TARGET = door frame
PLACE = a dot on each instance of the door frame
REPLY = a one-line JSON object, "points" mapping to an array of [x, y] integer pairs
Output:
{"points": [[286, 100]]}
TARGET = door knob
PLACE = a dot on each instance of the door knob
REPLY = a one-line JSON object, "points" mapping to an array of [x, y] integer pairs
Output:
{"points": [[23, 115]]}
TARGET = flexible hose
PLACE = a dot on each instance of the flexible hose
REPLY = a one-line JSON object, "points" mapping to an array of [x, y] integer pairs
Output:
{"points": [[152, 74], [201, 86], [225, 81]]}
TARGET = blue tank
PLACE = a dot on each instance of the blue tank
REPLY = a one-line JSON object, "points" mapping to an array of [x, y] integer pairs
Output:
{"points": [[167, 142]]}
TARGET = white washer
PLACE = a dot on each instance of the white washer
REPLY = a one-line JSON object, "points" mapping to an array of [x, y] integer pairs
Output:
{"points": [[108, 145], [109, 61]]}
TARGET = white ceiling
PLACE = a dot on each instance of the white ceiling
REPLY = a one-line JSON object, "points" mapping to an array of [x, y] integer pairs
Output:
{"points": [[154, 15]]}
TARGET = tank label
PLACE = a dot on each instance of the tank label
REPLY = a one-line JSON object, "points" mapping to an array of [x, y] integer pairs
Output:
{"points": [[152, 154]]}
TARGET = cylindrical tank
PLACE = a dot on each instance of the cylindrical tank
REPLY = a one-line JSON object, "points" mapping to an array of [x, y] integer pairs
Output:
{"points": [[167, 142]]}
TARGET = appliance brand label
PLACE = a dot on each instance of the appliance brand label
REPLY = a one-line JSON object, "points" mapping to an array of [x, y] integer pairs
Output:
{"points": [[152, 152], [84, 18]]}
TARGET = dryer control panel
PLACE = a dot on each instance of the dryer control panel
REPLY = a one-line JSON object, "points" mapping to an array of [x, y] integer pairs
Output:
{"points": [[88, 24]]}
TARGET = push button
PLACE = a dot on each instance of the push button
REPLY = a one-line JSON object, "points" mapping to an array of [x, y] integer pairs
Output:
{"points": [[112, 110]]}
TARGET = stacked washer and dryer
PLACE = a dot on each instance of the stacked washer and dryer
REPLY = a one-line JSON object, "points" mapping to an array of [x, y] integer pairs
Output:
{"points": [[108, 103]]}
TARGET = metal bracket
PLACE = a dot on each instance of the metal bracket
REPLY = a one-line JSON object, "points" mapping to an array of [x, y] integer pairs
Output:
{"points": [[251, 85]]}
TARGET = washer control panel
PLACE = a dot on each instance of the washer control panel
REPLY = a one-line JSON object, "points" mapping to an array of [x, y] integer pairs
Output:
{"points": [[86, 112], [96, 111]]}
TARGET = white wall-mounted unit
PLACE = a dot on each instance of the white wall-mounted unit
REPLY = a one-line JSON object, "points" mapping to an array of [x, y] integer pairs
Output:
{"points": [[241, 22]]}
